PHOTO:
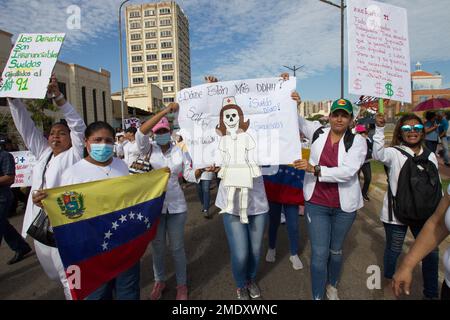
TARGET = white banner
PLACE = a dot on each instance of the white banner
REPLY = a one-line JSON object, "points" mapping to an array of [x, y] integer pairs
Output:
{"points": [[265, 122], [30, 65], [25, 161], [378, 50]]}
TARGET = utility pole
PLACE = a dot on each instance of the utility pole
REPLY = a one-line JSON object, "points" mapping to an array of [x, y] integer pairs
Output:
{"points": [[294, 69], [342, 8]]}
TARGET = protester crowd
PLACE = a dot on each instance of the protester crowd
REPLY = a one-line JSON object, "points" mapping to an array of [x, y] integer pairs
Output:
{"points": [[330, 192]]}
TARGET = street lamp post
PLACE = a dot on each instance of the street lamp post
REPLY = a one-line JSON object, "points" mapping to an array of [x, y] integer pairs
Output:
{"points": [[294, 69], [342, 7], [121, 63]]}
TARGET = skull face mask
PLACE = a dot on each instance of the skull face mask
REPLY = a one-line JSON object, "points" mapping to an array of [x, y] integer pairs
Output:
{"points": [[231, 119]]}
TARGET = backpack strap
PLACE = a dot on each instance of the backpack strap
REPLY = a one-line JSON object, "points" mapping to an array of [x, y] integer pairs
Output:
{"points": [[390, 196], [349, 137], [405, 153]]}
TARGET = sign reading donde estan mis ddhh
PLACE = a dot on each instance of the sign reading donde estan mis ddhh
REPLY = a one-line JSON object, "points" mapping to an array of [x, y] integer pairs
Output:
{"points": [[378, 50], [30, 65]]}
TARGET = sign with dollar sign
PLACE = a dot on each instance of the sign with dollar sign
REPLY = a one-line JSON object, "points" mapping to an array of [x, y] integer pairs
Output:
{"points": [[378, 50], [389, 91]]}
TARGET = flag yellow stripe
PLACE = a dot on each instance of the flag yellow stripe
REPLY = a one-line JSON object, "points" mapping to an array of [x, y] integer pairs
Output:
{"points": [[106, 196]]}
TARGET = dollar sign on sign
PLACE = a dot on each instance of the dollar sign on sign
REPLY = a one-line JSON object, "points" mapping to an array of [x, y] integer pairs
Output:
{"points": [[389, 91]]}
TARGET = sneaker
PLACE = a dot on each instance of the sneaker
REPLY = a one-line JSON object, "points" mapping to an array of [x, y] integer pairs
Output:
{"points": [[296, 262], [182, 293], [332, 293], [283, 219], [206, 214], [242, 294], [365, 197], [253, 290], [19, 255], [157, 291], [270, 256]]}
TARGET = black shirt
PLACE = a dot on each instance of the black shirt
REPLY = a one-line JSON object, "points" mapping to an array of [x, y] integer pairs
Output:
{"points": [[7, 168]]}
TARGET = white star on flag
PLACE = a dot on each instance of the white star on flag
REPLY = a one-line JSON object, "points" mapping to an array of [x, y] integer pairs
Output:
{"points": [[105, 246], [115, 225], [140, 216], [132, 215], [146, 220], [123, 219], [108, 234], [148, 226]]}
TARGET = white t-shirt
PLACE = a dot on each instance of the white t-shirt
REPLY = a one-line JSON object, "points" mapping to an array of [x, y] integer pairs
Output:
{"points": [[130, 152], [447, 253], [85, 171]]}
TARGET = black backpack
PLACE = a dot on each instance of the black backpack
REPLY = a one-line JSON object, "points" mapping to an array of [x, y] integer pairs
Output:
{"points": [[419, 190], [348, 138]]}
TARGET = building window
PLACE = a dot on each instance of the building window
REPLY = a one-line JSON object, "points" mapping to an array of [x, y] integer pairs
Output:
{"points": [[150, 35], [135, 25], [167, 78], [168, 89], [152, 79], [151, 46], [166, 56], [136, 47], [152, 57], [135, 14], [104, 105], [167, 67], [152, 68], [423, 98], [62, 88], [166, 44], [135, 36], [136, 58], [149, 13], [94, 100], [151, 23], [83, 101], [138, 69], [164, 11], [165, 22], [166, 33], [138, 80], [169, 100]]}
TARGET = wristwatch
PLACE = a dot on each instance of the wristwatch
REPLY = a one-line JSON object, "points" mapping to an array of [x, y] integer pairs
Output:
{"points": [[317, 170]]}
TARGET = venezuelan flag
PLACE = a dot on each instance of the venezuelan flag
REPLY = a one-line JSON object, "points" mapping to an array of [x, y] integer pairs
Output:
{"points": [[104, 227], [286, 186]]}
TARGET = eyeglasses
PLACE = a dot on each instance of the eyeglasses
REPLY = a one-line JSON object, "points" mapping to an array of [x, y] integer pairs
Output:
{"points": [[416, 128], [99, 140]]}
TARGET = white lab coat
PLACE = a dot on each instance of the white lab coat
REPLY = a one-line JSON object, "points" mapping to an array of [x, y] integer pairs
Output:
{"points": [[40, 148], [345, 174]]}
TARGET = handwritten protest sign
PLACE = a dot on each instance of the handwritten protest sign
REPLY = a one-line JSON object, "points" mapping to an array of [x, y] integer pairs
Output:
{"points": [[132, 122], [25, 161], [378, 50], [265, 103], [28, 70]]}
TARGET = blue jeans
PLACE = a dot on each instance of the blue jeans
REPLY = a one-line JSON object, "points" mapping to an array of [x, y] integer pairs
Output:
{"points": [[7, 231], [173, 226], [395, 236], [125, 286], [327, 228], [203, 193], [291, 213], [245, 243]]}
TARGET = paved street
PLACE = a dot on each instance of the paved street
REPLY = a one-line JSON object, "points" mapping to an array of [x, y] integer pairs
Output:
{"points": [[209, 270]]}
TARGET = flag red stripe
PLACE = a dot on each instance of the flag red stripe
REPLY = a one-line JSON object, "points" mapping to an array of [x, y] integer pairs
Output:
{"points": [[283, 193], [102, 268]]}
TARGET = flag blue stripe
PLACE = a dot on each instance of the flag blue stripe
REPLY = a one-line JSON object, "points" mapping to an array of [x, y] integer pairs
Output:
{"points": [[85, 239], [288, 176]]}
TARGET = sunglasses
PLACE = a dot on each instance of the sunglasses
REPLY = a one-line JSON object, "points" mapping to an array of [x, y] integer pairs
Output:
{"points": [[416, 128]]}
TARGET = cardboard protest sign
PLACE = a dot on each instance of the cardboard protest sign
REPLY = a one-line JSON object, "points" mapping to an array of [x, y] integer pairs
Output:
{"points": [[378, 50], [30, 65], [25, 162], [132, 122], [266, 115]]}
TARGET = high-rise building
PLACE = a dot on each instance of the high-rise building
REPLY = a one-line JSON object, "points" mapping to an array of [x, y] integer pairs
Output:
{"points": [[158, 47]]}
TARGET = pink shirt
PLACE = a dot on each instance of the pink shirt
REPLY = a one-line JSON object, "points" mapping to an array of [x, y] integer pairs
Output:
{"points": [[327, 194]]}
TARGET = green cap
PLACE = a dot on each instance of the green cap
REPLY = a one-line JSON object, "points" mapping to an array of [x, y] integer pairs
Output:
{"points": [[342, 104]]}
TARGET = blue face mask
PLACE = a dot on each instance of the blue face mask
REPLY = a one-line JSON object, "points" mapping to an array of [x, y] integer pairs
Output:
{"points": [[101, 152], [162, 139]]}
